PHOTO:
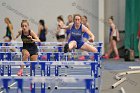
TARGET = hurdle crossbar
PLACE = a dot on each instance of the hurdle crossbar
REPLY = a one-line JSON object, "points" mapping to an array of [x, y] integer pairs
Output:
{"points": [[47, 62], [47, 42], [43, 79]]}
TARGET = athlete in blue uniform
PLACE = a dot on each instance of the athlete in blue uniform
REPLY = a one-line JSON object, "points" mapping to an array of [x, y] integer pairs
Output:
{"points": [[29, 47], [76, 38], [85, 38]]}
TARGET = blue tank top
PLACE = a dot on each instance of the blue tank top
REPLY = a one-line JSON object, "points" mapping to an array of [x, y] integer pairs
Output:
{"points": [[110, 31], [85, 35], [76, 34]]}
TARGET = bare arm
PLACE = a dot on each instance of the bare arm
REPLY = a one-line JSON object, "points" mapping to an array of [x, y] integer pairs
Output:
{"points": [[35, 37], [85, 29], [11, 29], [118, 35], [19, 33], [88, 26], [113, 29], [66, 27], [39, 29]]}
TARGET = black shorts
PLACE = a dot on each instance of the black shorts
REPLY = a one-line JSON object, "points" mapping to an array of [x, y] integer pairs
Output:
{"points": [[42, 40], [115, 38], [33, 50], [60, 37]]}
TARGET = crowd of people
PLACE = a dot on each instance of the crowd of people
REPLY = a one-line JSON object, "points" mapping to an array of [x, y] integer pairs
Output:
{"points": [[76, 32], [72, 32]]}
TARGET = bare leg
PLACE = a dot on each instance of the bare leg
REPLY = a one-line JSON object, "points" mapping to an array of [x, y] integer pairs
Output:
{"points": [[115, 50], [25, 54], [110, 49], [88, 48], [84, 53], [34, 57], [25, 57], [115, 47], [107, 55], [72, 44]]}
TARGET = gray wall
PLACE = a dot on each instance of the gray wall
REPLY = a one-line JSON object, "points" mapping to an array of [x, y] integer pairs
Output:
{"points": [[34, 10], [114, 8]]}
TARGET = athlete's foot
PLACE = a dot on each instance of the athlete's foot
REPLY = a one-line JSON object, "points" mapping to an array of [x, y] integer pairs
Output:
{"points": [[105, 56], [92, 57], [20, 72], [117, 58], [81, 58]]}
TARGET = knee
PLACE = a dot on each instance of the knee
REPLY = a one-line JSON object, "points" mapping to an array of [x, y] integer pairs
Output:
{"points": [[72, 44], [95, 50], [26, 55]]}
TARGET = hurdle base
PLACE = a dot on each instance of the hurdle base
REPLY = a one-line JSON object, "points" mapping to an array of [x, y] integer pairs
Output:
{"points": [[49, 87], [56, 87]]}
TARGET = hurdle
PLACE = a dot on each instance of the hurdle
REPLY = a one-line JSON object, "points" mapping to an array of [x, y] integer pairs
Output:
{"points": [[89, 83], [58, 56], [48, 54], [7, 56], [51, 63]]}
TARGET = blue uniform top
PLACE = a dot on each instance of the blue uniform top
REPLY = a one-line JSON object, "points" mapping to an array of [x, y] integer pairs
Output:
{"points": [[76, 35], [85, 35], [110, 31]]}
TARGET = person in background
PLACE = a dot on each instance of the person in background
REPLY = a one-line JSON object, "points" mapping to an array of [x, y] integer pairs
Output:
{"points": [[9, 30], [9, 36], [29, 49], [70, 20], [42, 31], [60, 34], [112, 40]]}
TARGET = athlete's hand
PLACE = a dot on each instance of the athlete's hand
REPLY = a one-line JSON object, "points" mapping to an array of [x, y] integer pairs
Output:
{"points": [[118, 39], [33, 40], [91, 40], [30, 37]]}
